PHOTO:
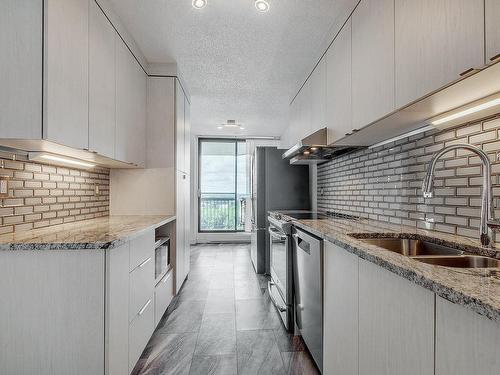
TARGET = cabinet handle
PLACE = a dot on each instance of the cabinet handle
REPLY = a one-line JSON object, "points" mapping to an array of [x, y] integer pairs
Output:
{"points": [[470, 70], [273, 300], [141, 311], [145, 262], [495, 57]]}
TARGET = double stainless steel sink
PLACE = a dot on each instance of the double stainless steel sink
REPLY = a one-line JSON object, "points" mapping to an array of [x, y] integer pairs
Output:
{"points": [[431, 253]]}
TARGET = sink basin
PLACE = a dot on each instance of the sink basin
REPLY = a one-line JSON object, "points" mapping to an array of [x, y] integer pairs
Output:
{"points": [[464, 261], [411, 247]]}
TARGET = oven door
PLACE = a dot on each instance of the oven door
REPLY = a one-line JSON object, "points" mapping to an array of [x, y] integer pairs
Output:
{"points": [[280, 284], [279, 259]]}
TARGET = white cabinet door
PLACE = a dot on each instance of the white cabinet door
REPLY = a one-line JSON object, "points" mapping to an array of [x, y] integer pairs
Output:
{"points": [[187, 136], [318, 97], [117, 304], [67, 73], [338, 76], [180, 231], [53, 322], [131, 94], [161, 123], [340, 335], [304, 124], [21, 69], [187, 224], [466, 342], [372, 61], [396, 324], [179, 128], [492, 13], [436, 41], [164, 293], [102, 81], [140, 331], [293, 123]]}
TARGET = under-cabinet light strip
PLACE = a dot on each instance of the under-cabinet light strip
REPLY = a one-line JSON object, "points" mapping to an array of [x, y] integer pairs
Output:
{"points": [[409, 134]]}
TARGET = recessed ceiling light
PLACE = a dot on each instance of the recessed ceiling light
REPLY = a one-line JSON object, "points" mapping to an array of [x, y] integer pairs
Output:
{"points": [[198, 4], [231, 124], [262, 5]]}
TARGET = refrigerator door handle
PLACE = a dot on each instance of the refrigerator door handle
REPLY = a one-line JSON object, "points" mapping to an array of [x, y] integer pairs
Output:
{"points": [[243, 208]]}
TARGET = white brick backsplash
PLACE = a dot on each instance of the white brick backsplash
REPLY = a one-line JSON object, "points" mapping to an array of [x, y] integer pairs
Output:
{"points": [[384, 183], [35, 190]]}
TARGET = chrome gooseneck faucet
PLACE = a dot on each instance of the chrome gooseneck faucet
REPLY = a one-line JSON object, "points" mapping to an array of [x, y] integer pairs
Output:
{"points": [[486, 233]]}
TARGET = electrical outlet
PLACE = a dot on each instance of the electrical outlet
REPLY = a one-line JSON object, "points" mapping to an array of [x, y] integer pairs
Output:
{"points": [[97, 192], [4, 186]]}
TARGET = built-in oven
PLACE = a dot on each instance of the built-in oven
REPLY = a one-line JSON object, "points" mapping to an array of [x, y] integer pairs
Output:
{"points": [[280, 287], [162, 257]]}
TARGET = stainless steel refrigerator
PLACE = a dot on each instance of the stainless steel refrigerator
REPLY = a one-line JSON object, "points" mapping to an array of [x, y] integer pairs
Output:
{"points": [[275, 185]]}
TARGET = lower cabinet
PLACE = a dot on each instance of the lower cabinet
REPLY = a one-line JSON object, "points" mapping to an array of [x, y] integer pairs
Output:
{"points": [[79, 312], [340, 339], [466, 342], [182, 245], [140, 330], [379, 323], [396, 324], [164, 292], [117, 306], [141, 285]]}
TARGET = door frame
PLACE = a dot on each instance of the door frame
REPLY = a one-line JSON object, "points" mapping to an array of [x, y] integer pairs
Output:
{"points": [[200, 140]]}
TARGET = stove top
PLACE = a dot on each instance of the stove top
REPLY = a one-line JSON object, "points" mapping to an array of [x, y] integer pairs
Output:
{"points": [[321, 215], [308, 215]]}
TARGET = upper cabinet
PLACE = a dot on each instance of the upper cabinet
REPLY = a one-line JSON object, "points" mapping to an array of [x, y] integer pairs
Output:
{"points": [[83, 90], [492, 13], [318, 97], [161, 123], [131, 97], [187, 136], [102, 79], [66, 67], [179, 128], [304, 127], [372, 61], [338, 85], [21, 69], [436, 42]]}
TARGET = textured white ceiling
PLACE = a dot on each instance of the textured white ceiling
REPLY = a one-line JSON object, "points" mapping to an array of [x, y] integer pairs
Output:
{"points": [[238, 63]]}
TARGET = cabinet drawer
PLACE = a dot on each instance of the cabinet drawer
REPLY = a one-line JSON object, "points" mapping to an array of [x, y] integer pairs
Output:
{"points": [[141, 248], [164, 292], [140, 331], [142, 281]]}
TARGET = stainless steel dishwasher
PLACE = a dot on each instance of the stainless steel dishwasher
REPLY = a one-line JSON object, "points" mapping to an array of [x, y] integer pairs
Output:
{"points": [[308, 277]]}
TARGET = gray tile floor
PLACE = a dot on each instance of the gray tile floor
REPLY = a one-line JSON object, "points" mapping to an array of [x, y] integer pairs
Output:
{"points": [[223, 322]]}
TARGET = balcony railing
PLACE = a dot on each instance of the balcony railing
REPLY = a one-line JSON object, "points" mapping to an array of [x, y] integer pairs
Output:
{"points": [[219, 213]]}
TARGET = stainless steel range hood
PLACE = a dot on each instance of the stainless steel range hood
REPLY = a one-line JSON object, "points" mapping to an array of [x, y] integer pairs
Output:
{"points": [[314, 149]]}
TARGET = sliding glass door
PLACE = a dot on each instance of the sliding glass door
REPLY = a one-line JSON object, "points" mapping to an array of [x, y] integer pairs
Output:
{"points": [[222, 185]]}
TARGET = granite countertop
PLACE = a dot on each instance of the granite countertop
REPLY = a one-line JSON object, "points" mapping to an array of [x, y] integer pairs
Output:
{"points": [[100, 233], [478, 289]]}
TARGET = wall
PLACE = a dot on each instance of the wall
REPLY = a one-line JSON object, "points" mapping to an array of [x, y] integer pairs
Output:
{"points": [[43, 195], [384, 183]]}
